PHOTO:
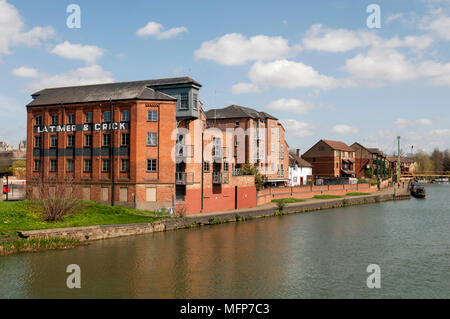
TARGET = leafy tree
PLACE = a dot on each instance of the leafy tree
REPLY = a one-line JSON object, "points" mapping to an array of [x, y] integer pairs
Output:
{"points": [[424, 162], [18, 168], [369, 172], [249, 169]]}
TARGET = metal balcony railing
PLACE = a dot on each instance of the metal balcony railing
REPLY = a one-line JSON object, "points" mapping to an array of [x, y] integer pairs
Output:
{"points": [[280, 173], [219, 152], [184, 178], [237, 172], [184, 151], [220, 178]]}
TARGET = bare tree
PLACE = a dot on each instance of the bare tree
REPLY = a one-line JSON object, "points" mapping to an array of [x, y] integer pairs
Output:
{"points": [[56, 199]]}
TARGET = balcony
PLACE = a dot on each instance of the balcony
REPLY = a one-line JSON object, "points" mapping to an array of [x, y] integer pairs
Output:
{"points": [[237, 172], [184, 178], [220, 178], [184, 151], [280, 173], [219, 152]]}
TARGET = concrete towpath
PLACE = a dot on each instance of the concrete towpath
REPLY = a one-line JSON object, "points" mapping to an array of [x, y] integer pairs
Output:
{"points": [[386, 192]]}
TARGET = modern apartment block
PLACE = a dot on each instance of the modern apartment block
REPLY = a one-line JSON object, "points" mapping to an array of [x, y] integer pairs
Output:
{"points": [[140, 143], [262, 136], [331, 159], [366, 158]]}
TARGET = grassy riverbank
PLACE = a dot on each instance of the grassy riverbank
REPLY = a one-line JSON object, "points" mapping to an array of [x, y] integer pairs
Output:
{"points": [[22, 215], [32, 245]]}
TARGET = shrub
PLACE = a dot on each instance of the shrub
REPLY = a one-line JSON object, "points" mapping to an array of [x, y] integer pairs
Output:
{"points": [[249, 169], [56, 200], [237, 217], [280, 205]]}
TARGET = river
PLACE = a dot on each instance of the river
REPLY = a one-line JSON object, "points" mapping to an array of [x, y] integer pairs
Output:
{"points": [[323, 254]]}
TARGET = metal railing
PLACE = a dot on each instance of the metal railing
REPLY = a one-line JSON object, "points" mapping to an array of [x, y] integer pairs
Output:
{"points": [[184, 151], [280, 173], [237, 172], [220, 178], [219, 152], [184, 178]]}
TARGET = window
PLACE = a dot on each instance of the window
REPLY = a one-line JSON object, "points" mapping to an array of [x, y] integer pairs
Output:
{"points": [[37, 141], [106, 139], [37, 165], [38, 120], [71, 118], [195, 101], [88, 117], [206, 166], [70, 165], [225, 167], [125, 139], [124, 165], [151, 139], [54, 119], [106, 165], [278, 132], [151, 165], [236, 123], [88, 140], [54, 141], [236, 143], [184, 101], [152, 115], [107, 116], [53, 165], [87, 165], [272, 147], [125, 116], [272, 166], [70, 140]]}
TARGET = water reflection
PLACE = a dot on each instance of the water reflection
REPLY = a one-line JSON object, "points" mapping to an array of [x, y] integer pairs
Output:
{"points": [[321, 255]]}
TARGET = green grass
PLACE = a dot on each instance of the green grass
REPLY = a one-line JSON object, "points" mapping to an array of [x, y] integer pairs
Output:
{"points": [[27, 245], [326, 196], [288, 200], [356, 194], [21, 215]]}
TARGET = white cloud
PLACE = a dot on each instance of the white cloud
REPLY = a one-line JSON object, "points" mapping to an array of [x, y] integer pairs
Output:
{"points": [[330, 40], [440, 25], [156, 30], [394, 17], [25, 72], [91, 74], [298, 129], [235, 49], [241, 88], [388, 65], [87, 53], [321, 38], [291, 105], [343, 129], [401, 122], [289, 74], [424, 121], [12, 29]]}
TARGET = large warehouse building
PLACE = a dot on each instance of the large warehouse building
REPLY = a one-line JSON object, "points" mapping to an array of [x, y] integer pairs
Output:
{"points": [[144, 144]]}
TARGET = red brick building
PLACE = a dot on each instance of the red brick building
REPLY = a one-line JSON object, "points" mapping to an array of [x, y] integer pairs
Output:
{"points": [[261, 134], [372, 159], [138, 143], [331, 159]]}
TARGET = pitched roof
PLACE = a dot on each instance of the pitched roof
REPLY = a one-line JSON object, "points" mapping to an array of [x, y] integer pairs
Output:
{"points": [[236, 111], [338, 145], [294, 159], [108, 91]]}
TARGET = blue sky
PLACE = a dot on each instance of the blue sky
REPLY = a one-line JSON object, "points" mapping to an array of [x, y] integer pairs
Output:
{"points": [[314, 65]]}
